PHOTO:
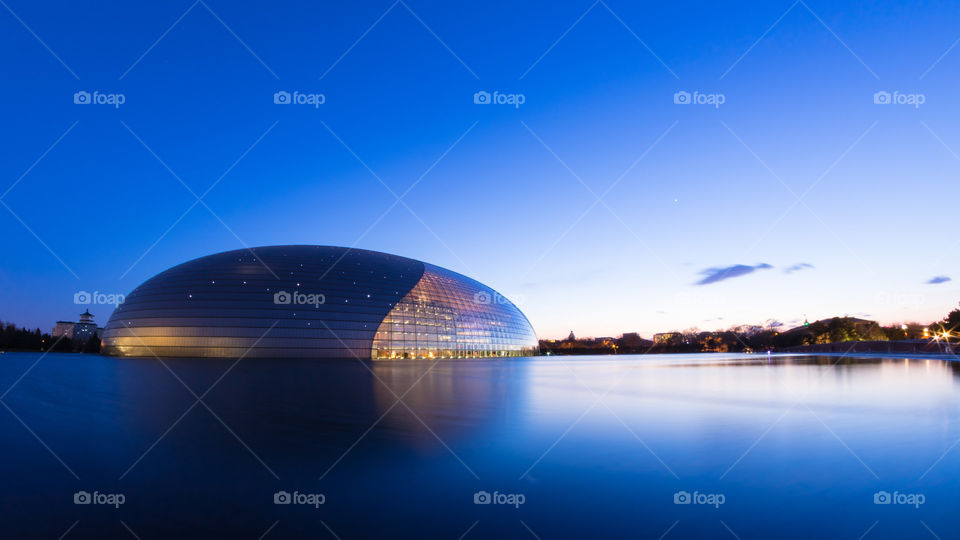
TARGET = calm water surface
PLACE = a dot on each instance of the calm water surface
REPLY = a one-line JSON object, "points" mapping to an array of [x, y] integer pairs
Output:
{"points": [[793, 447]]}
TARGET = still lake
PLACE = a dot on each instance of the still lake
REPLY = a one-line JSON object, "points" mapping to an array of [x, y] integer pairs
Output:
{"points": [[571, 447]]}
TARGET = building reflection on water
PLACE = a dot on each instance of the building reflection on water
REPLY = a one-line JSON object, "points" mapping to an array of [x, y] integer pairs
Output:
{"points": [[531, 426], [444, 402]]}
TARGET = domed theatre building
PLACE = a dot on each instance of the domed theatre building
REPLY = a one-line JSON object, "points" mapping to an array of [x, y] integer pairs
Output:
{"points": [[315, 302]]}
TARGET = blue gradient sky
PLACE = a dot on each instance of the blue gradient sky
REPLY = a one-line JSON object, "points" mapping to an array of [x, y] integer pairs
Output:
{"points": [[513, 203]]}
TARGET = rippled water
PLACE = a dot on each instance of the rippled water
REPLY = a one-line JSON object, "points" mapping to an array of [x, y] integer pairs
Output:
{"points": [[782, 447]]}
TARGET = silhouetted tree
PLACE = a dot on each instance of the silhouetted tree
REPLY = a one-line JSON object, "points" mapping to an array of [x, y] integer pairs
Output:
{"points": [[950, 323], [93, 344], [22, 339]]}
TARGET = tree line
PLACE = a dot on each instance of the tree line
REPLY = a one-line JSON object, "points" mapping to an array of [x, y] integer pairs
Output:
{"points": [[758, 338], [13, 338]]}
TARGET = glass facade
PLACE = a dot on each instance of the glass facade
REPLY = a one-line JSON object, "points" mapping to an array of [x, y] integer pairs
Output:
{"points": [[313, 301], [448, 315]]}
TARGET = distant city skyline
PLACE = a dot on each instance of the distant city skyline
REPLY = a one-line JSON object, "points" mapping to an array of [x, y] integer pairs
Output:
{"points": [[612, 168]]}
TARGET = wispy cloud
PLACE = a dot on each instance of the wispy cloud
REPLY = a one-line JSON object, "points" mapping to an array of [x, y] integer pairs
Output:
{"points": [[797, 267], [938, 279], [714, 275]]}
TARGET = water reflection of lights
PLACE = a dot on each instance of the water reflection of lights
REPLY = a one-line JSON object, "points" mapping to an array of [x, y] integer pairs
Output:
{"points": [[446, 400]]}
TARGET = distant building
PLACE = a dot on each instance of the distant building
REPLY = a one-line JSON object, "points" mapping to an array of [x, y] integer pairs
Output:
{"points": [[631, 339], [668, 338], [81, 330], [85, 328], [63, 329], [713, 342], [606, 342]]}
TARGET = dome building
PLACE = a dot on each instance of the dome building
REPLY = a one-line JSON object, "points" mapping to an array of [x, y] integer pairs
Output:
{"points": [[315, 302]]}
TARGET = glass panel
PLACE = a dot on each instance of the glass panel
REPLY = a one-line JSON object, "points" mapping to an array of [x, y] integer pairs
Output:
{"points": [[447, 315]]}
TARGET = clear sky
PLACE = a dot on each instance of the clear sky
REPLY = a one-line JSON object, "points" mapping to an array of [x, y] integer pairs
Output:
{"points": [[598, 204]]}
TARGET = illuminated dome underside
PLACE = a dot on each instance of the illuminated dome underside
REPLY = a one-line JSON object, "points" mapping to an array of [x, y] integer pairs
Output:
{"points": [[364, 304]]}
